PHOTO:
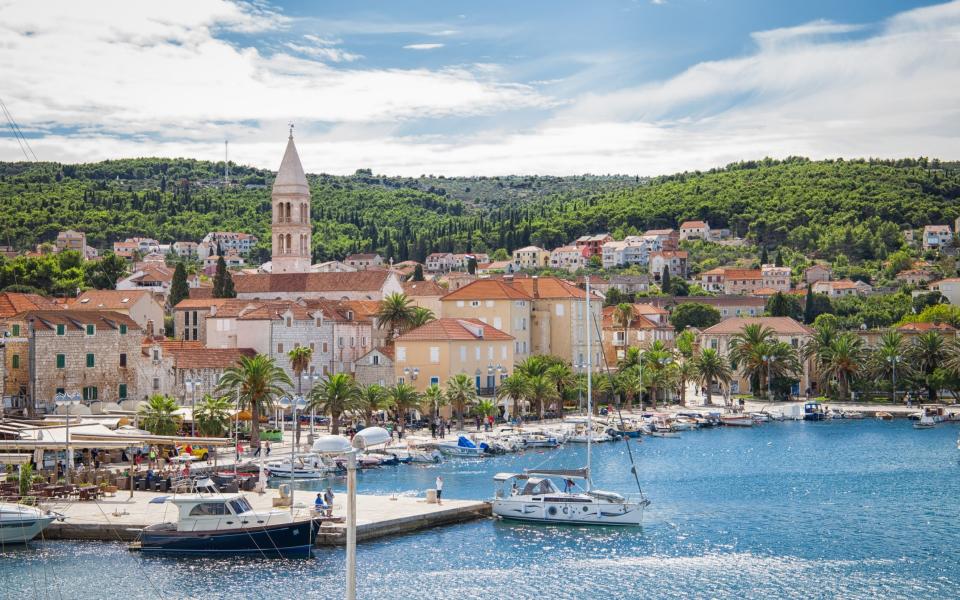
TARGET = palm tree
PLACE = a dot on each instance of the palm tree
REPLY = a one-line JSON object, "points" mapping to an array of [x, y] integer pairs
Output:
{"points": [[402, 398], [516, 387], [213, 415], [396, 313], [952, 360], [486, 408], [623, 316], [709, 367], [928, 352], [602, 385], [335, 395], [843, 362], [433, 399], [887, 362], [372, 397], [747, 349], [655, 361], [157, 416], [461, 391], [630, 383], [631, 358], [534, 365], [256, 382], [562, 377], [421, 316], [818, 347], [542, 391], [300, 362], [684, 372]]}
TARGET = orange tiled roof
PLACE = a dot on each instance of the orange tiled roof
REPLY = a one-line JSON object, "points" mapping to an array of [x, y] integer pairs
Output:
{"points": [[487, 289], [107, 299], [192, 303], [360, 281], [639, 321], [78, 319], [922, 327], [780, 325], [423, 288], [547, 287], [14, 303], [693, 225], [454, 329], [742, 274]]}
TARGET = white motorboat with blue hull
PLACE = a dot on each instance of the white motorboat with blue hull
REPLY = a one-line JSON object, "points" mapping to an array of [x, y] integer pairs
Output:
{"points": [[226, 524], [463, 447], [20, 523]]}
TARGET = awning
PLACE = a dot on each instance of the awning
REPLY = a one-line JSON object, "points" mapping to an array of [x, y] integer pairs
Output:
{"points": [[583, 473]]}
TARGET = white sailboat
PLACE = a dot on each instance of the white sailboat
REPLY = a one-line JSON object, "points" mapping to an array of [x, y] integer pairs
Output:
{"points": [[533, 496]]}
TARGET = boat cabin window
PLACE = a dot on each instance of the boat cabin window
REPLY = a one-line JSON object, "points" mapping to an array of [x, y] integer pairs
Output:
{"points": [[208, 508], [544, 486], [240, 505]]}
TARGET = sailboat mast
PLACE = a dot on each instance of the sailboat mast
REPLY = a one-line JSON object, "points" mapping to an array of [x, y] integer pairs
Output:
{"points": [[589, 382]]}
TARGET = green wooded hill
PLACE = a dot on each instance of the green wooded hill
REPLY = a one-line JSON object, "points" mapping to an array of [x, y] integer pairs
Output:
{"points": [[821, 208]]}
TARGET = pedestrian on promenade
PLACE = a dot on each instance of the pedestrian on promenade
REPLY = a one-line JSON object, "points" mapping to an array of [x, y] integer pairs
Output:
{"points": [[268, 447], [433, 429], [257, 451], [239, 449], [439, 489], [476, 420], [443, 433], [328, 500]]}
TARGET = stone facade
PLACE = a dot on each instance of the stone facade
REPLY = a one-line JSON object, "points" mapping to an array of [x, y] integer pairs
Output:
{"points": [[375, 367]]}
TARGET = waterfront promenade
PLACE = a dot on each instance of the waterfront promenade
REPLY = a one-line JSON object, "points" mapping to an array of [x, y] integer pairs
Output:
{"points": [[120, 518]]}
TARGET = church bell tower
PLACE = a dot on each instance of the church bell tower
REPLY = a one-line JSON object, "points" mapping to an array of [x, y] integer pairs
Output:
{"points": [[291, 215]]}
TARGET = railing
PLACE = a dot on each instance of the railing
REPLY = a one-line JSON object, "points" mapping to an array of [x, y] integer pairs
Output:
{"points": [[486, 391]]}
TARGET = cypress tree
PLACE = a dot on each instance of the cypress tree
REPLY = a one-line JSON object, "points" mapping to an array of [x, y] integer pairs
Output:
{"points": [[665, 280], [178, 287], [223, 282], [808, 315], [764, 259], [418, 273], [778, 261]]}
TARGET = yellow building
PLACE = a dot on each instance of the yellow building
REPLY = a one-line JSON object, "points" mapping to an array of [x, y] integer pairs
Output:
{"points": [[435, 352], [495, 302], [531, 257]]}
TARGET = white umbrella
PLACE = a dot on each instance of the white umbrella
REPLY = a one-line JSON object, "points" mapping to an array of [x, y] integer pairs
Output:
{"points": [[331, 444]]}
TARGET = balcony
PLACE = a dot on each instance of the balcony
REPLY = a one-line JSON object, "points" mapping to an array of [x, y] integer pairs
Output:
{"points": [[485, 392]]}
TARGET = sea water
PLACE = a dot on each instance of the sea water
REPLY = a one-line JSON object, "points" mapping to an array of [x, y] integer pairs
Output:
{"points": [[840, 509]]}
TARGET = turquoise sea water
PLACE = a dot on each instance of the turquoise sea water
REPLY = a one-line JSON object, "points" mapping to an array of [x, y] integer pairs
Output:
{"points": [[842, 509]]}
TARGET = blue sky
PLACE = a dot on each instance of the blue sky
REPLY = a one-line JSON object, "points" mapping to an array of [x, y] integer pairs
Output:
{"points": [[551, 87]]}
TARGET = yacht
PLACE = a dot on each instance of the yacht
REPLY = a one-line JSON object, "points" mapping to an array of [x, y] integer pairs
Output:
{"points": [[463, 447], [305, 466], [20, 523], [215, 524]]}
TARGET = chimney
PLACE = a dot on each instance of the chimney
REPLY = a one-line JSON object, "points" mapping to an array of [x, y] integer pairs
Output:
{"points": [[536, 286], [150, 328]]}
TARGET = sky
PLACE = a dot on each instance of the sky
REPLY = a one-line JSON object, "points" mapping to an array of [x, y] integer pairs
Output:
{"points": [[550, 87]]}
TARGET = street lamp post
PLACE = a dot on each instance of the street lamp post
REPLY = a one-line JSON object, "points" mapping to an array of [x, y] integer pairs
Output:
{"points": [[311, 378], [193, 381], [768, 359], [893, 360]]}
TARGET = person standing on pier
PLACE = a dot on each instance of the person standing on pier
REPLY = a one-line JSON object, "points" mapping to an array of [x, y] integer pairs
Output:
{"points": [[433, 429], [439, 489]]}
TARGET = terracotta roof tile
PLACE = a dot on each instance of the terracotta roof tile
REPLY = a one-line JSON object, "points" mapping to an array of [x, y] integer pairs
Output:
{"points": [[742, 274], [454, 329], [78, 319], [487, 289], [780, 325], [195, 303], [693, 225], [364, 281], [423, 288], [14, 303], [922, 327], [107, 299], [548, 287]]}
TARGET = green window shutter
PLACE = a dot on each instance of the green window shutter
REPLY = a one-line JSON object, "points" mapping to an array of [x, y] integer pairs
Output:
{"points": [[94, 393], [16, 361], [91, 329], [61, 361], [86, 393], [91, 361], [16, 330], [123, 329], [61, 329], [123, 391]]}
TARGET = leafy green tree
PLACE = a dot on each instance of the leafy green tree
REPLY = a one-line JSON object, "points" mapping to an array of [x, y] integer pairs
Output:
{"points": [[679, 287], [256, 382], [179, 290], [694, 314], [334, 396], [104, 274], [157, 415], [783, 305]]}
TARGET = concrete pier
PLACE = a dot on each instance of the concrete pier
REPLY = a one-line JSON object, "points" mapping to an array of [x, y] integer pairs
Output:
{"points": [[121, 518]]}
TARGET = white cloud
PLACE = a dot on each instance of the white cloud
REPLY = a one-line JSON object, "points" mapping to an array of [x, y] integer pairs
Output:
{"points": [[422, 46], [892, 90]]}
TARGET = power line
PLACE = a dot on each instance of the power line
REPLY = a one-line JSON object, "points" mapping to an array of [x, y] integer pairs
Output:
{"points": [[17, 133]]}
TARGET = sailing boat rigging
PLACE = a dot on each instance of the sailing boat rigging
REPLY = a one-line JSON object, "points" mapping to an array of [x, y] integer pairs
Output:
{"points": [[533, 495]]}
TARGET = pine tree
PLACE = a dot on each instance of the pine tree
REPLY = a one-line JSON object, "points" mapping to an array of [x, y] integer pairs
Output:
{"points": [[665, 280], [223, 282], [179, 290], [808, 315]]}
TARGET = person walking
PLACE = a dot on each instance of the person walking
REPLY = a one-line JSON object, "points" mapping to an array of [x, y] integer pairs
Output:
{"points": [[433, 429], [268, 448], [439, 486]]}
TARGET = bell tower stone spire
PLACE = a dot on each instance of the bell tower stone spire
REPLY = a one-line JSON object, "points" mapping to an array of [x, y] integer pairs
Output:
{"points": [[291, 215]]}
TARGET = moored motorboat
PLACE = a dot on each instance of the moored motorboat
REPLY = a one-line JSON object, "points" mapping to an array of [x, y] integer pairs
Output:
{"points": [[737, 420], [20, 523], [463, 447], [925, 422], [221, 524], [305, 466], [813, 411]]}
